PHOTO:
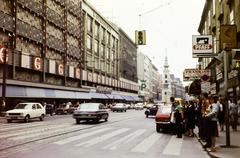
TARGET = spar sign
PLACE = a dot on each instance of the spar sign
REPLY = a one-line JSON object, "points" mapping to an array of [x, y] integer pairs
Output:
{"points": [[202, 46]]}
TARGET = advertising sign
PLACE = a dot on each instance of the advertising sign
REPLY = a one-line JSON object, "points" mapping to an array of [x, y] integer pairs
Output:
{"points": [[37, 63], [228, 36], [202, 46], [192, 74], [3, 52], [60, 69]]}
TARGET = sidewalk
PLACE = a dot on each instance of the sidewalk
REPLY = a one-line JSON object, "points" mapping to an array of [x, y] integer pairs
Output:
{"points": [[222, 151]]}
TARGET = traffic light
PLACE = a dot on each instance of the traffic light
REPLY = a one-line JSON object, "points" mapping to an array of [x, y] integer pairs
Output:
{"points": [[140, 37]]}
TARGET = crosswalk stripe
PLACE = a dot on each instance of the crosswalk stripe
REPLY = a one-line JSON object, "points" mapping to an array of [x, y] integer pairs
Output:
{"points": [[78, 137], [126, 139], [39, 129], [48, 132], [147, 143], [173, 147], [102, 138]]}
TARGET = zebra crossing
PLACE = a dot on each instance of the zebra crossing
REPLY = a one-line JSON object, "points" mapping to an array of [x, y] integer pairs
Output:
{"points": [[132, 140]]}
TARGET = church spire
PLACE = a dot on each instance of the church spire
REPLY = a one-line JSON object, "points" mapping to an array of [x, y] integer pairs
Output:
{"points": [[166, 63]]}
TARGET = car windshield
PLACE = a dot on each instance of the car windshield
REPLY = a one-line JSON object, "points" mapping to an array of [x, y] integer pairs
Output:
{"points": [[119, 105], [88, 107], [165, 110], [21, 106]]}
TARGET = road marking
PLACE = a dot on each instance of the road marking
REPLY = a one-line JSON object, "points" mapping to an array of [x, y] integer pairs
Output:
{"points": [[147, 143], [18, 127], [38, 130], [102, 138], [125, 140], [173, 147], [78, 137]]}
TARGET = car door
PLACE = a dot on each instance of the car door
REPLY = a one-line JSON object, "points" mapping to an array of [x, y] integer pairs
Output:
{"points": [[39, 110], [102, 111], [33, 111]]}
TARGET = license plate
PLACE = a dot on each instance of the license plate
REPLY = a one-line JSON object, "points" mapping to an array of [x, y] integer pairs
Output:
{"points": [[13, 117]]}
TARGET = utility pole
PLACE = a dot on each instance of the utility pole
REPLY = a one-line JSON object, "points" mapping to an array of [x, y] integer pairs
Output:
{"points": [[225, 58], [3, 103]]}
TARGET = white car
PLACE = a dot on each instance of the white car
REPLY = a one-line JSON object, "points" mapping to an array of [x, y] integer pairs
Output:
{"points": [[139, 106], [26, 111]]}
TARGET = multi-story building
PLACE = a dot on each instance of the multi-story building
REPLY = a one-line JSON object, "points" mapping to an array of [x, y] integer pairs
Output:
{"points": [[155, 83], [44, 47], [215, 14], [59, 50], [144, 71]]}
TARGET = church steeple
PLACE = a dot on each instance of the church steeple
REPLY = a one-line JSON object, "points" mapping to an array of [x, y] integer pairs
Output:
{"points": [[166, 63]]}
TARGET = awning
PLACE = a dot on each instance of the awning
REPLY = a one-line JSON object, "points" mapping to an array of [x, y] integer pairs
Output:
{"points": [[35, 92], [80, 95], [128, 98], [114, 96], [65, 94], [98, 96], [136, 98]]}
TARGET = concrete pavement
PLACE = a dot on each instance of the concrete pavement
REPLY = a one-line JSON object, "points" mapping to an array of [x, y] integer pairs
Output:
{"points": [[222, 150]]}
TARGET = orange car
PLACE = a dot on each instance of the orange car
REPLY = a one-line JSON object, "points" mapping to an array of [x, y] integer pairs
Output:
{"points": [[163, 117]]}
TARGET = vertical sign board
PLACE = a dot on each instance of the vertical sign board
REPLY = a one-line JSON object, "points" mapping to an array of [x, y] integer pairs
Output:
{"points": [[202, 46], [228, 36]]}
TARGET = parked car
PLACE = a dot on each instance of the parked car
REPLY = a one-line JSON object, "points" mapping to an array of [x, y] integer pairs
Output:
{"points": [[26, 111], [49, 108], [63, 108], [119, 107], [151, 111], [163, 117], [90, 111], [139, 106], [72, 108]]}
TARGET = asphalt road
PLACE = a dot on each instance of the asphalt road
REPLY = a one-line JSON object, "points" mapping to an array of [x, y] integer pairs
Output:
{"points": [[125, 135]]}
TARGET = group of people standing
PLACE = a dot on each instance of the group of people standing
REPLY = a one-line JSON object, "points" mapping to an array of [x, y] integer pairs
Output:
{"points": [[205, 112]]}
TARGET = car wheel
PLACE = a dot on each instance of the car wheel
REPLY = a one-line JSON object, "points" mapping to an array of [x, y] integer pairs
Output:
{"points": [[78, 121], [146, 115], [96, 120], [158, 129], [106, 119], [41, 117], [26, 119], [9, 120]]}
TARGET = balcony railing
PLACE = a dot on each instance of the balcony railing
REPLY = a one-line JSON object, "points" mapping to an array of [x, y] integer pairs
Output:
{"points": [[6, 21], [28, 31], [32, 5]]}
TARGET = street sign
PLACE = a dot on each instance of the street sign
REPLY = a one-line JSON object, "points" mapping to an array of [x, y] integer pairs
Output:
{"points": [[202, 46], [228, 37]]}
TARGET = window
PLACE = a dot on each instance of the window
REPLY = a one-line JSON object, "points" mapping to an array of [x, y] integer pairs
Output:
{"points": [[165, 76], [38, 106], [96, 31], [34, 106], [102, 66], [165, 93], [89, 43], [166, 81], [89, 61], [231, 17], [96, 47], [102, 52], [108, 53], [96, 61], [214, 7], [89, 24]]}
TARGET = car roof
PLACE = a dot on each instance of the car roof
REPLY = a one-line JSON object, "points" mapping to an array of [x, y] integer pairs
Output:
{"points": [[29, 103]]}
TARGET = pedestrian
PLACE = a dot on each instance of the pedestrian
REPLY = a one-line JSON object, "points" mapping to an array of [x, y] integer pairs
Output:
{"points": [[205, 121], [233, 111], [221, 114], [172, 119], [190, 112], [212, 124], [178, 114]]}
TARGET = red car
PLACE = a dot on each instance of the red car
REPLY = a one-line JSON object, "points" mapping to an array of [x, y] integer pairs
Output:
{"points": [[163, 117]]}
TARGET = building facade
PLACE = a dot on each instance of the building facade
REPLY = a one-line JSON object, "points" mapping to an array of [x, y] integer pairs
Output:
{"points": [[217, 13], [155, 83], [144, 71], [58, 50]]}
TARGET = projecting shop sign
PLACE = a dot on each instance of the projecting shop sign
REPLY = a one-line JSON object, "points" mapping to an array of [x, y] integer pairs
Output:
{"points": [[202, 46], [192, 74]]}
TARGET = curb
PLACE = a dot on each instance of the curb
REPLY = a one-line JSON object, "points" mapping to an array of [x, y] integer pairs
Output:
{"points": [[205, 149]]}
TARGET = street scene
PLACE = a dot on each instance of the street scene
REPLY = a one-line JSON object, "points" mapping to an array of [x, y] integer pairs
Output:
{"points": [[127, 134], [121, 79]]}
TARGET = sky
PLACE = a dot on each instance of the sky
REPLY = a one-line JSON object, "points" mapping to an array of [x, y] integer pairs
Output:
{"points": [[169, 26]]}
